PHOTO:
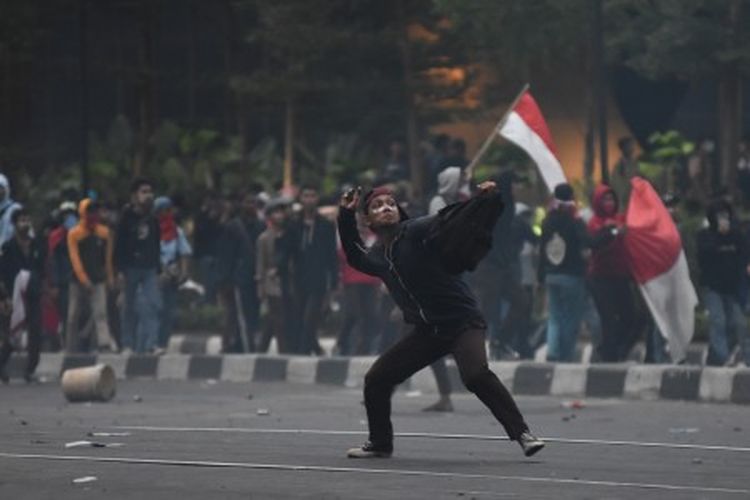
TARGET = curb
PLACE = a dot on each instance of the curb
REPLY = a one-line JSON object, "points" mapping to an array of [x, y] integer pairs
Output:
{"points": [[625, 380], [211, 344]]}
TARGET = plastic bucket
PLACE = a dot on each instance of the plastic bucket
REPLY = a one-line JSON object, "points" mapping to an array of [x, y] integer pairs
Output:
{"points": [[91, 383]]}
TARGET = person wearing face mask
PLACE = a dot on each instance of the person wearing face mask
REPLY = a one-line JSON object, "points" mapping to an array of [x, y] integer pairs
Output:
{"points": [[421, 264], [7, 208], [723, 259], [175, 260], [137, 260], [60, 269], [23, 252], [608, 276], [90, 247]]}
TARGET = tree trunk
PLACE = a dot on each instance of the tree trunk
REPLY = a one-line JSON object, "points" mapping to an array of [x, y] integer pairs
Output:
{"points": [[146, 88], [730, 119], [190, 63], [84, 95], [289, 144], [412, 132], [730, 111], [600, 90]]}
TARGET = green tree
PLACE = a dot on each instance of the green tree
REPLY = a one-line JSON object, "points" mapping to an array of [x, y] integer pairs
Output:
{"points": [[689, 39]]}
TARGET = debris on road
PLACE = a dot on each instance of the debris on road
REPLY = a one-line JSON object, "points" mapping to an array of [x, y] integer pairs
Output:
{"points": [[137, 398], [85, 479], [697, 461], [250, 396], [90, 383], [414, 394], [108, 434], [92, 444], [575, 404], [263, 411], [683, 430]]}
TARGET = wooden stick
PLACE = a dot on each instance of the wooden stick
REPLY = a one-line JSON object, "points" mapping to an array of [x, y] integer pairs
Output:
{"points": [[470, 169]]}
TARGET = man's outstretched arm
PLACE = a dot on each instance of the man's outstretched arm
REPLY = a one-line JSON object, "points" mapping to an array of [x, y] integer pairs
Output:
{"points": [[357, 255]]}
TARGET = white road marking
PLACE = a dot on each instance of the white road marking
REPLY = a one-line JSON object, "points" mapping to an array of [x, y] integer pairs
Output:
{"points": [[361, 470], [430, 435]]}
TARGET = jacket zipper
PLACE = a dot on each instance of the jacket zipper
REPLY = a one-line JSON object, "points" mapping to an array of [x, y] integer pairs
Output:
{"points": [[389, 258]]}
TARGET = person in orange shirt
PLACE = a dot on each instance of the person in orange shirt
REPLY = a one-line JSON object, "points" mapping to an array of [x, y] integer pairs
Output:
{"points": [[90, 245]]}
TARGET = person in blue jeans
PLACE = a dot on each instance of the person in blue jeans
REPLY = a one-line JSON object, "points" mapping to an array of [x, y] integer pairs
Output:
{"points": [[137, 259], [723, 259], [562, 269], [175, 258]]}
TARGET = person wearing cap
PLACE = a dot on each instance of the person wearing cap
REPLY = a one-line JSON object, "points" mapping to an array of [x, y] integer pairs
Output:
{"points": [[175, 258], [562, 270], [90, 247], [410, 258]]}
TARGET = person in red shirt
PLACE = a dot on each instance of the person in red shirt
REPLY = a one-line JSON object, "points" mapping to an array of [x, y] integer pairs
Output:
{"points": [[360, 294], [609, 277]]}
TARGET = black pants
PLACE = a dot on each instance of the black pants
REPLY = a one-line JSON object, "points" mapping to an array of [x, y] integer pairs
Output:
{"points": [[421, 348], [34, 333], [506, 286], [309, 314], [615, 303]]}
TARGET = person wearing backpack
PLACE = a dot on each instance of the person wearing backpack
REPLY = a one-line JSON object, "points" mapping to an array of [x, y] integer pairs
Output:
{"points": [[422, 271], [562, 270]]}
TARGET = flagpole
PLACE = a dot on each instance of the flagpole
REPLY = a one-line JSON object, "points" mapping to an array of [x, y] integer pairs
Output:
{"points": [[470, 169]]}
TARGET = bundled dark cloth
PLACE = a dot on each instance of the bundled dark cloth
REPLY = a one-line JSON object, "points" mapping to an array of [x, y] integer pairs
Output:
{"points": [[463, 232]]}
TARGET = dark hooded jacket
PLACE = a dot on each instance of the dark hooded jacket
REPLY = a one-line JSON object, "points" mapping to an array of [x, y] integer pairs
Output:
{"points": [[722, 258], [563, 245], [608, 256], [413, 267]]}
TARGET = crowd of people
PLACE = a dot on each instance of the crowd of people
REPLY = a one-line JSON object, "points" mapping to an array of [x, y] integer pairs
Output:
{"points": [[99, 278]]}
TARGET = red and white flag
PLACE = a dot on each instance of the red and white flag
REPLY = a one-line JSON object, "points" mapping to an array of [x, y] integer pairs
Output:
{"points": [[525, 127], [658, 265]]}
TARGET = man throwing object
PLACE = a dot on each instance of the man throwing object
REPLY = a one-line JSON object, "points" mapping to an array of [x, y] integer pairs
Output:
{"points": [[410, 259]]}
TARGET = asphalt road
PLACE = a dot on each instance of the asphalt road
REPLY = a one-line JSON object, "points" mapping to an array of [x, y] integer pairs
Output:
{"points": [[205, 440]]}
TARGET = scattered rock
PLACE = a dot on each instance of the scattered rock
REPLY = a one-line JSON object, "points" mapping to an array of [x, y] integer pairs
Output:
{"points": [[575, 404], [108, 434], [737, 429], [697, 461], [137, 398], [263, 412], [23, 422], [85, 479], [92, 444], [683, 430], [250, 396]]}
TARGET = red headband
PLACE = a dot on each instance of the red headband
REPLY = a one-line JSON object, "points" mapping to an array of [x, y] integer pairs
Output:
{"points": [[378, 191]]}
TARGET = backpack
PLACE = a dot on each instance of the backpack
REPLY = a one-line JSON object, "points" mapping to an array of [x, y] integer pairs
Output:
{"points": [[462, 232]]}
